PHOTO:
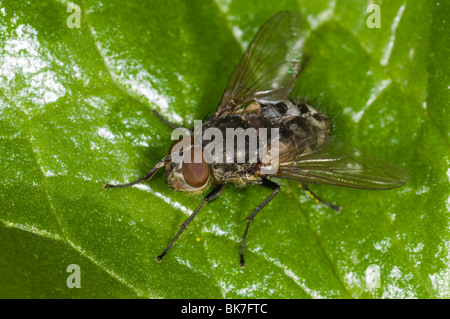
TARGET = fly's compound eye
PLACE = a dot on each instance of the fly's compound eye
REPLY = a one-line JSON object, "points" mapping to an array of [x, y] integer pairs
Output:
{"points": [[195, 173]]}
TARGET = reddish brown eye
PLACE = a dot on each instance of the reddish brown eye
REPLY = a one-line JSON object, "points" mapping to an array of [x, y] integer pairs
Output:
{"points": [[195, 174]]}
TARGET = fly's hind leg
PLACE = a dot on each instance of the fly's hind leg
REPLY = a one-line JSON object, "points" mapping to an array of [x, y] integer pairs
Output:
{"points": [[336, 208], [275, 189]]}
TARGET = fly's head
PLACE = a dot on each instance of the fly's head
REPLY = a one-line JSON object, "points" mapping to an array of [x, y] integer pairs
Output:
{"points": [[187, 169]]}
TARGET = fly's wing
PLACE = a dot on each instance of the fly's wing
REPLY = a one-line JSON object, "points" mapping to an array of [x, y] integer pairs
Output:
{"points": [[268, 70], [337, 164]]}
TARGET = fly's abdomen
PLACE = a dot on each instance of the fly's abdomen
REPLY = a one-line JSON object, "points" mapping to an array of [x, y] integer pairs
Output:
{"points": [[302, 128]]}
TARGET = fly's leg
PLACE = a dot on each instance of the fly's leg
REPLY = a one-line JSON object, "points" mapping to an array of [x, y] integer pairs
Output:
{"points": [[147, 176], [216, 192], [336, 208], [275, 189], [172, 125]]}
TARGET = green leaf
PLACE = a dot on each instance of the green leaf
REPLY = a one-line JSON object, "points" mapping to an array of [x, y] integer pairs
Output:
{"points": [[75, 112]]}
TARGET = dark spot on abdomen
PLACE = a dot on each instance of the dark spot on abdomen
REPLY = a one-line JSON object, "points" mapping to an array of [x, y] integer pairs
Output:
{"points": [[303, 108], [281, 108], [319, 117], [297, 124]]}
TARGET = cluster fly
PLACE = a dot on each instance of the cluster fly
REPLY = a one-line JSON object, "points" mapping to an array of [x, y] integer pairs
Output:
{"points": [[257, 96]]}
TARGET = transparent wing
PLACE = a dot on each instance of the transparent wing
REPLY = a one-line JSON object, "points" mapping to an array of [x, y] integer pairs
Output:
{"points": [[268, 70], [337, 164]]}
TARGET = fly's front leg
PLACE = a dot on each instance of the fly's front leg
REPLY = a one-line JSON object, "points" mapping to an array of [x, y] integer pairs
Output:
{"points": [[147, 176], [336, 208], [275, 189], [216, 192]]}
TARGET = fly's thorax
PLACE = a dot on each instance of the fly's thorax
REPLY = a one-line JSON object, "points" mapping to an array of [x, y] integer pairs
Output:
{"points": [[239, 174], [238, 159]]}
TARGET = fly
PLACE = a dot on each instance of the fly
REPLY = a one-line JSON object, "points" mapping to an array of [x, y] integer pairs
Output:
{"points": [[257, 97]]}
